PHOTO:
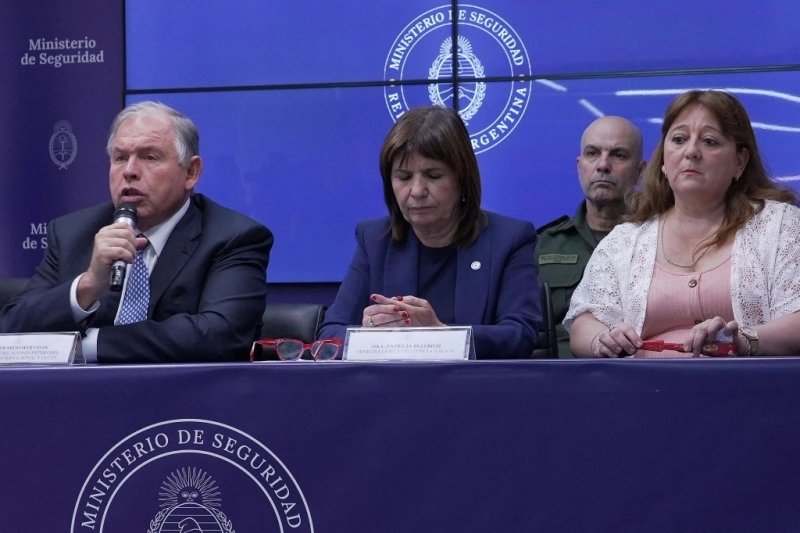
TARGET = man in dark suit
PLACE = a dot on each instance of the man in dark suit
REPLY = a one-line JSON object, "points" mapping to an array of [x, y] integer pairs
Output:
{"points": [[206, 264]]}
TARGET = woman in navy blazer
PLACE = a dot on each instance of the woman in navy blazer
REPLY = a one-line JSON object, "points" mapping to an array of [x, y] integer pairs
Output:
{"points": [[439, 259]]}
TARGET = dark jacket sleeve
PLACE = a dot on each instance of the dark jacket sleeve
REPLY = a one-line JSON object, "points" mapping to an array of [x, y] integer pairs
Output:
{"points": [[44, 304], [509, 328], [353, 295]]}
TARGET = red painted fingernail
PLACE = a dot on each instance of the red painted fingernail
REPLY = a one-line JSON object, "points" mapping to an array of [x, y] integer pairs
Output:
{"points": [[399, 298], [373, 298], [407, 321], [404, 314]]}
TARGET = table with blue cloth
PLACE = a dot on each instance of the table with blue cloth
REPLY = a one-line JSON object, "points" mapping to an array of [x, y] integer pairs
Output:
{"points": [[559, 445]]}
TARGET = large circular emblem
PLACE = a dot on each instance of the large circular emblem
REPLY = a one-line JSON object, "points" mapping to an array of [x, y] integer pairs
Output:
{"points": [[190, 475], [486, 46]]}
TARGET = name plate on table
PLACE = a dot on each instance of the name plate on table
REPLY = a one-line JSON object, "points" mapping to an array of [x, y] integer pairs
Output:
{"points": [[61, 348], [409, 344]]}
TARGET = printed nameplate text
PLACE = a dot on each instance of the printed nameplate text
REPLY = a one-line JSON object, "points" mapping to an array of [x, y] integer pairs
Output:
{"points": [[61, 348], [408, 344]]}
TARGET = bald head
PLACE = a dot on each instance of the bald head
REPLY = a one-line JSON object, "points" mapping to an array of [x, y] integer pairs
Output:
{"points": [[617, 127], [610, 161]]}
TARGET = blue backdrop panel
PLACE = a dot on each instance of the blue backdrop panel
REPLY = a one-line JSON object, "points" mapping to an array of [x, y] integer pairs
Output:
{"points": [[272, 155], [533, 173], [305, 162], [630, 445], [629, 35], [61, 86], [251, 42]]}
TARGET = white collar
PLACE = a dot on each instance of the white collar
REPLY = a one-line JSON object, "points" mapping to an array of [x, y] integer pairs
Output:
{"points": [[158, 234]]}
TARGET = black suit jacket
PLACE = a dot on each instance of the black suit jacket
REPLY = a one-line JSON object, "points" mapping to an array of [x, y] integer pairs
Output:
{"points": [[207, 290]]}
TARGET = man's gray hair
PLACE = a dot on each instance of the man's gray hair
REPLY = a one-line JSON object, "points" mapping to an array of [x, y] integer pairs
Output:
{"points": [[187, 137]]}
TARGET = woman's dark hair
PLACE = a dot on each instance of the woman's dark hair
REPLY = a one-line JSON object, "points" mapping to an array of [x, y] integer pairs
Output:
{"points": [[435, 133]]}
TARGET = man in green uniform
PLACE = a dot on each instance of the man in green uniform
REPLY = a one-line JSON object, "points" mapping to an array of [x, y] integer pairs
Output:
{"points": [[609, 166]]}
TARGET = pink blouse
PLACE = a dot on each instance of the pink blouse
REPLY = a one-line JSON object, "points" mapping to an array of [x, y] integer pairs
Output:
{"points": [[679, 301]]}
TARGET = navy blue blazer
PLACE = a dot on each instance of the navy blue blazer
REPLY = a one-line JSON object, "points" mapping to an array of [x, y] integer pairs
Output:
{"points": [[500, 300], [207, 289]]}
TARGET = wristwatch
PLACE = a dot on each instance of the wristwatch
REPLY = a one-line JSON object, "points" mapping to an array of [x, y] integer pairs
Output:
{"points": [[750, 337]]}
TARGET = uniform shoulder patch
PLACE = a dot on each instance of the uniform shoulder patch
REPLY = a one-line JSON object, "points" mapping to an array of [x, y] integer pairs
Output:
{"points": [[552, 223], [558, 259]]}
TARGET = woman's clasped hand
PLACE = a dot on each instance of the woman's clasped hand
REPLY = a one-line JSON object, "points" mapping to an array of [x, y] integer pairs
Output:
{"points": [[399, 311]]}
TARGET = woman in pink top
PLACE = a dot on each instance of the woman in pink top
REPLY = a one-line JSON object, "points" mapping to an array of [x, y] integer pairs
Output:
{"points": [[711, 251]]}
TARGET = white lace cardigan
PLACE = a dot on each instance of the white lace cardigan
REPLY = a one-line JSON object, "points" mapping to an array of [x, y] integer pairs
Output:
{"points": [[765, 271]]}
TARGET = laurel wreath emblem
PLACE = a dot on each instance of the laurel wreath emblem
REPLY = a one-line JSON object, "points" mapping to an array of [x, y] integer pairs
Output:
{"points": [[464, 51]]}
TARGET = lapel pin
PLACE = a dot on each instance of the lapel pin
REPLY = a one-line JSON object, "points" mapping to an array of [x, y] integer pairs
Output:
{"points": [[476, 265]]}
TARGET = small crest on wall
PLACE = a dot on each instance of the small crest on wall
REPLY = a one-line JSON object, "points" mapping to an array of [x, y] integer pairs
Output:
{"points": [[63, 145]]}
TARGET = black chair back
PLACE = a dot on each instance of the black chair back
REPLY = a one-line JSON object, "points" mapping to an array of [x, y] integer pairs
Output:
{"points": [[290, 321], [547, 344]]}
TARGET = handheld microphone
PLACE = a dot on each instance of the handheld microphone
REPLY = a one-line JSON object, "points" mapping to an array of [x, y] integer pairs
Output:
{"points": [[125, 213]]}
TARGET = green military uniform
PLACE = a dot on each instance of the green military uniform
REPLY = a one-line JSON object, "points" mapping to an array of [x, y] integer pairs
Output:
{"points": [[562, 251]]}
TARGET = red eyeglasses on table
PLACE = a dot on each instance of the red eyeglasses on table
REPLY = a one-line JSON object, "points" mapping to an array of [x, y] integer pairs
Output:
{"points": [[293, 349]]}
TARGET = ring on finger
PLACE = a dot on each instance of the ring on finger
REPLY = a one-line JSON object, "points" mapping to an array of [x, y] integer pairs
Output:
{"points": [[370, 323]]}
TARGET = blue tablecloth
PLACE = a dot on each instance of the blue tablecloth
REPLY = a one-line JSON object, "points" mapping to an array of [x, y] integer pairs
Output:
{"points": [[633, 445]]}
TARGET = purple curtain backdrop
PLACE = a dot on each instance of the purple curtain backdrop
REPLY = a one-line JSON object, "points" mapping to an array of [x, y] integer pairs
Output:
{"points": [[61, 85]]}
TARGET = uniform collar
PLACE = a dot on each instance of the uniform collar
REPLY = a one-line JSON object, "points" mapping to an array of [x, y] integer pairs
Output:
{"points": [[578, 221]]}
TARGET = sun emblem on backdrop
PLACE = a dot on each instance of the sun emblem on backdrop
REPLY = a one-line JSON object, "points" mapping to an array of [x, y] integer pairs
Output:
{"points": [[190, 501], [470, 94]]}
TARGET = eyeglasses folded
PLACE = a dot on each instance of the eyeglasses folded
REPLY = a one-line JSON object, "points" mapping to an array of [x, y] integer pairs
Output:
{"points": [[293, 349]]}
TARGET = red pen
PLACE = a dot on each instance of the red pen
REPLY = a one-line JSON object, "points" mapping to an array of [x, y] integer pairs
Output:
{"points": [[713, 349]]}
